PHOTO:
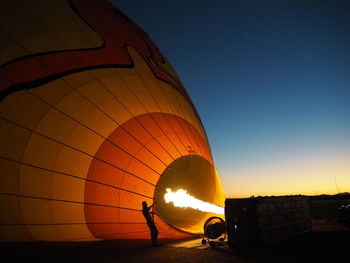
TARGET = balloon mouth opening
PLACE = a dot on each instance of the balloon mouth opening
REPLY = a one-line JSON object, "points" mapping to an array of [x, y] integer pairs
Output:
{"points": [[188, 192]]}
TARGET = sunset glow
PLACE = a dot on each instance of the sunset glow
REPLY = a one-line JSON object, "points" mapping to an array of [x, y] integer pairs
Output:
{"points": [[328, 174]]}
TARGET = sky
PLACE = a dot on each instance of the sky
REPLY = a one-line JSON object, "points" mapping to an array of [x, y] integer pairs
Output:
{"points": [[271, 83]]}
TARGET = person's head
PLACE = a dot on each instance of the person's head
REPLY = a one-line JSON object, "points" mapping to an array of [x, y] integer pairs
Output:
{"points": [[144, 204]]}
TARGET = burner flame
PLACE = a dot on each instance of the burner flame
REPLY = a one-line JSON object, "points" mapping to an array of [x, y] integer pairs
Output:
{"points": [[181, 198]]}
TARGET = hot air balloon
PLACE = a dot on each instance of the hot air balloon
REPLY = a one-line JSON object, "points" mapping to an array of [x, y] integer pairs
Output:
{"points": [[94, 120]]}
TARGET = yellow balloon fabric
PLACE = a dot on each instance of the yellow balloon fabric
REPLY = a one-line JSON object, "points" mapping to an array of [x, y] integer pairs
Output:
{"points": [[94, 121]]}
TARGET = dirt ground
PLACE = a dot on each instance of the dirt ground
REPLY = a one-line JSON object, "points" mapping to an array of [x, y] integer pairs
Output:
{"points": [[316, 246], [328, 242]]}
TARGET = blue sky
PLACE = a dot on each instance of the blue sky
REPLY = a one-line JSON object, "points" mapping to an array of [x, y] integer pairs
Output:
{"points": [[271, 82]]}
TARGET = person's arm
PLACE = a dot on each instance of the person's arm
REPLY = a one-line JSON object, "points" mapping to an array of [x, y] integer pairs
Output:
{"points": [[153, 213], [152, 205]]}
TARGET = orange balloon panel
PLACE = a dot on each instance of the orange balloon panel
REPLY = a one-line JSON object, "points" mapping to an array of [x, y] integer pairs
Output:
{"points": [[92, 117]]}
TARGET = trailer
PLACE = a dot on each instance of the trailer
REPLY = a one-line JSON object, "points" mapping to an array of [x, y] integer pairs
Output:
{"points": [[259, 221]]}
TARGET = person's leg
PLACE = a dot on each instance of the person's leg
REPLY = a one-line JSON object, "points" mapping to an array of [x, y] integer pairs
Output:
{"points": [[154, 235], [151, 234]]}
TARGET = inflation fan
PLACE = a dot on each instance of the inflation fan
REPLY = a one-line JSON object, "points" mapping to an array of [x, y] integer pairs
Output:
{"points": [[214, 230]]}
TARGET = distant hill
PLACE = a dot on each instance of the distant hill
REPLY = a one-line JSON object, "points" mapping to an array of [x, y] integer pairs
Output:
{"points": [[339, 196]]}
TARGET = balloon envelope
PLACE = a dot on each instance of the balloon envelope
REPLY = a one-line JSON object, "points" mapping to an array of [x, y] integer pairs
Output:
{"points": [[94, 121]]}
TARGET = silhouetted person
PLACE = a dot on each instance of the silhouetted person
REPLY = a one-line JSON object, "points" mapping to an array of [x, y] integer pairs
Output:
{"points": [[150, 222]]}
